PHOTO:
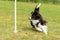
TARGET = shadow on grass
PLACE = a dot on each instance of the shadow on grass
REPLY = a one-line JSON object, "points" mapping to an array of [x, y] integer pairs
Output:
{"points": [[30, 29]]}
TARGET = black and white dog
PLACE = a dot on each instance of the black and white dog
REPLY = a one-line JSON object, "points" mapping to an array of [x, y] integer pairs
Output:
{"points": [[37, 21]]}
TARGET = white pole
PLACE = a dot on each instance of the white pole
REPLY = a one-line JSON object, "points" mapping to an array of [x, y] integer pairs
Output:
{"points": [[15, 26]]}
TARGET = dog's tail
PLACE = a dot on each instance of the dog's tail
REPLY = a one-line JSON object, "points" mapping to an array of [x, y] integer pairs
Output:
{"points": [[37, 7]]}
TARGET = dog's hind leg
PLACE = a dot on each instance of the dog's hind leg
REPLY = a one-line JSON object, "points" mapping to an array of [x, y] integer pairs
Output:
{"points": [[44, 28], [37, 28]]}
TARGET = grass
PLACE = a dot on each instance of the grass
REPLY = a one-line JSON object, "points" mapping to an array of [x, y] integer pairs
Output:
{"points": [[6, 19], [49, 12]]}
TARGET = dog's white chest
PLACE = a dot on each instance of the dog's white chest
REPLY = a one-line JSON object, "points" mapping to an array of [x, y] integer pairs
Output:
{"points": [[35, 21]]}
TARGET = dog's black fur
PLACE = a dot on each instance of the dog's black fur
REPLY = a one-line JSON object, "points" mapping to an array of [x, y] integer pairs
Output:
{"points": [[37, 16]]}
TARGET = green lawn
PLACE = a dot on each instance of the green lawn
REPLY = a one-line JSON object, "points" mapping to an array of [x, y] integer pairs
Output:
{"points": [[6, 19], [50, 12]]}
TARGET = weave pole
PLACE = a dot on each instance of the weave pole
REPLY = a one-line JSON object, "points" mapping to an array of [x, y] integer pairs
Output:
{"points": [[15, 25]]}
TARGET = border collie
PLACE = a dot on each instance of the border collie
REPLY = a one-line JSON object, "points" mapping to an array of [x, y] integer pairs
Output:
{"points": [[37, 21]]}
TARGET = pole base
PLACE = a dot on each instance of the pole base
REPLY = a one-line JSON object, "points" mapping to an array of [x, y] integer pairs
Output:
{"points": [[15, 31]]}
